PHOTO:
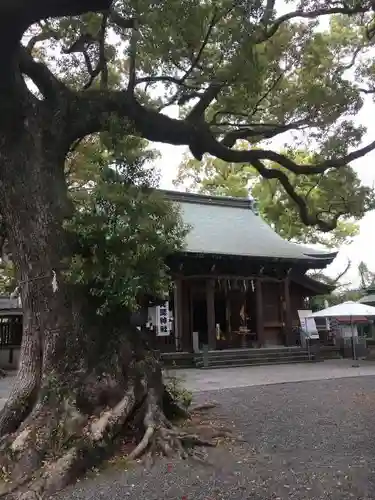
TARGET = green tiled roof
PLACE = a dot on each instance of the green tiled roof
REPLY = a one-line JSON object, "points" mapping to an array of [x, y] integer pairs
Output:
{"points": [[231, 226]]}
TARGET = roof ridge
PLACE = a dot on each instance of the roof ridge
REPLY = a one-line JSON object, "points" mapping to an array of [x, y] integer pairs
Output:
{"points": [[208, 199]]}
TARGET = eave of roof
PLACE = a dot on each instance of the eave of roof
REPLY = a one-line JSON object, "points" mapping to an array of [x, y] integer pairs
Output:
{"points": [[318, 287], [230, 226]]}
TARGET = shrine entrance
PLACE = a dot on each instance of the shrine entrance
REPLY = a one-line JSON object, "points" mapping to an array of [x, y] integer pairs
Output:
{"points": [[224, 314], [227, 312], [235, 317], [199, 319]]}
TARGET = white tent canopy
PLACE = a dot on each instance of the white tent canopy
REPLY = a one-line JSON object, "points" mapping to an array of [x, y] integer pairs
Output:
{"points": [[350, 310]]}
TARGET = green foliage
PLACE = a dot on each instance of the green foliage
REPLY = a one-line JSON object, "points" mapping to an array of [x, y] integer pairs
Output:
{"points": [[344, 295], [335, 192], [122, 229], [174, 385], [8, 281], [297, 75], [305, 78]]}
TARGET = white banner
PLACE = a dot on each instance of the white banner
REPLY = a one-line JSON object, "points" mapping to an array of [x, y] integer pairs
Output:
{"points": [[163, 324]]}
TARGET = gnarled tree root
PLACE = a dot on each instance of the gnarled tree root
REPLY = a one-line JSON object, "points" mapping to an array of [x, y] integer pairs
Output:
{"points": [[162, 437], [56, 444]]}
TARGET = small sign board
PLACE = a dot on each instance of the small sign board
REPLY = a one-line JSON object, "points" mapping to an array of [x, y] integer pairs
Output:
{"points": [[163, 324], [308, 325]]}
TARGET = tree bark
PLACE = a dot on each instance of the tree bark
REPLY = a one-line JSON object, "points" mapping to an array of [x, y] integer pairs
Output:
{"points": [[33, 203], [77, 390], [25, 389], [83, 380]]}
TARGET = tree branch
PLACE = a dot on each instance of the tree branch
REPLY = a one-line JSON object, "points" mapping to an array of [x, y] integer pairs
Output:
{"points": [[121, 22], [360, 8], [307, 218], [45, 34], [167, 79], [180, 96], [27, 12], [264, 131], [268, 12], [366, 91], [314, 186], [95, 107], [43, 78], [92, 110], [94, 114], [82, 44], [217, 149], [102, 63], [267, 92], [133, 56], [212, 92], [197, 58], [353, 60], [339, 276], [208, 96]]}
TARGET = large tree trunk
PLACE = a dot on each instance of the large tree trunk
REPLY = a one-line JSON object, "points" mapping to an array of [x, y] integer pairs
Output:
{"points": [[81, 382], [33, 204]]}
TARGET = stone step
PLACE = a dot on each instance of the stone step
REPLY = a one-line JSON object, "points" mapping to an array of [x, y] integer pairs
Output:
{"points": [[250, 356], [230, 357], [260, 363], [252, 361], [252, 352]]}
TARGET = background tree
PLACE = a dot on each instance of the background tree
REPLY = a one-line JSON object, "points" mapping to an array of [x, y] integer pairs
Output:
{"points": [[7, 278], [327, 195], [342, 289], [122, 230], [69, 69], [367, 277]]}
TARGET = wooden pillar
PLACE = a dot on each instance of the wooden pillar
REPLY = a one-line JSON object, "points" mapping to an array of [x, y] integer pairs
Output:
{"points": [[228, 317], [259, 312], [177, 313], [187, 317], [210, 298], [288, 313]]}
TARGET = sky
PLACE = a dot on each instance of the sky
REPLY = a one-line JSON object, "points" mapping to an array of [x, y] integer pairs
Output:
{"points": [[363, 245]]}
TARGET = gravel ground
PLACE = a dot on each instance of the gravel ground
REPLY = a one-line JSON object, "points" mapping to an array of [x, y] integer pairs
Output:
{"points": [[307, 440]]}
